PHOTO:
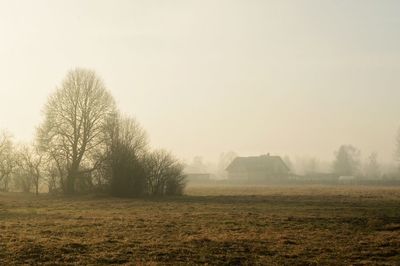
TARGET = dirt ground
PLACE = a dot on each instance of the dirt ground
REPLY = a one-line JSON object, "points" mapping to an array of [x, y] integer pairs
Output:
{"points": [[221, 225]]}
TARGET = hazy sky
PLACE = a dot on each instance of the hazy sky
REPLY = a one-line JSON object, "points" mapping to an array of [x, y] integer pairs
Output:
{"points": [[203, 77]]}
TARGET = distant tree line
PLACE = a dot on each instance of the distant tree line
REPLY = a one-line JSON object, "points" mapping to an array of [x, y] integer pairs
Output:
{"points": [[347, 163], [84, 144]]}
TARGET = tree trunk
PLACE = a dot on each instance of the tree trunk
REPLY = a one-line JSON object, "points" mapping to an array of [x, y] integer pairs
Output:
{"points": [[37, 186], [70, 183]]}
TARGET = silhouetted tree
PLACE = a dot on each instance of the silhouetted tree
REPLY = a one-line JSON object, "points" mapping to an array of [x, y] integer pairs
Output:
{"points": [[73, 128], [347, 161], [7, 160], [127, 144], [52, 176], [30, 162], [22, 180], [164, 174], [176, 181]]}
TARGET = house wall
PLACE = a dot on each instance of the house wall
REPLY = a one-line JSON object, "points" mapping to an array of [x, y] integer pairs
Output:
{"points": [[256, 176], [238, 176], [264, 176]]}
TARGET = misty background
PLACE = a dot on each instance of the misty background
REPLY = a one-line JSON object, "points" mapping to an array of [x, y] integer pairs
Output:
{"points": [[206, 77]]}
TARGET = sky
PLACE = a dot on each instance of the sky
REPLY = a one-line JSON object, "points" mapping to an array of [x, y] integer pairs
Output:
{"points": [[295, 78]]}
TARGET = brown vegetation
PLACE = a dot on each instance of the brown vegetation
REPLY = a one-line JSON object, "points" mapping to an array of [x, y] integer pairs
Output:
{"points": [[223, 225]]}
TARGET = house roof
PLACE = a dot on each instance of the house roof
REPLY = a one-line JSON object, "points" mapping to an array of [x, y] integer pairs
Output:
{"points": [[252, 163]]}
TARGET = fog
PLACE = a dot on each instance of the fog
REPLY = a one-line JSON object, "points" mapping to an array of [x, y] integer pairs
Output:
{"points": [[296, 78], [199, 132]]}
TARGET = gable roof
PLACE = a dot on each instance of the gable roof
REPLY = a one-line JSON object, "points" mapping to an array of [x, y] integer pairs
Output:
{"points": [[257, 163]]}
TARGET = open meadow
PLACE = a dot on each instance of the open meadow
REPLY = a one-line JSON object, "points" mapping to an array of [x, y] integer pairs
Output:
{"points": [[221, 225]]}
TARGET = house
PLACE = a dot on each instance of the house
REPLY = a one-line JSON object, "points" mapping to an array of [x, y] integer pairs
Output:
{"points": [[258, 168]]}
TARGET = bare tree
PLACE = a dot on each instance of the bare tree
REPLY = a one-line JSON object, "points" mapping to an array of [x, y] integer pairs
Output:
{"points": [[164, 174], [73, 129], [127, 145], [31, 161], [22, 180], [51, 176], [7, 159]]}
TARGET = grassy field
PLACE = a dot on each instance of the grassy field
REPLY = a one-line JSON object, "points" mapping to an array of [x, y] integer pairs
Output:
{"points": [[231, 225]]}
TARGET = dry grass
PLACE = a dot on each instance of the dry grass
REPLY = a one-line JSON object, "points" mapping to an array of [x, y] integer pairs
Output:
{"points": [[221, 225]]}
